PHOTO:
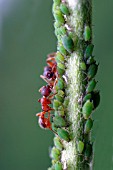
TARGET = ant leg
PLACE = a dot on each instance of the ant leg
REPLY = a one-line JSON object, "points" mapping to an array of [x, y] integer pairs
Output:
{"points": [[41, 114], [47, 81]]}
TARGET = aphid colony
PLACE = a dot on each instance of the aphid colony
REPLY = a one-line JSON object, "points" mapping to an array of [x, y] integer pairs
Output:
{"points": [[54, 91]]}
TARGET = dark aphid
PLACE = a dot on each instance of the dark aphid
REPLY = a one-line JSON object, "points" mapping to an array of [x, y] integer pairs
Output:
{"points": [[58, 143], [68, 43], [91, 85], [89, 50], [45, 90], [87, 97], [55, 153], [88, 126], [90, 60], [63, 134], [87, 109], [80, 147], [58, 16], [83, 66], [64, 9], [88, 151], [87, 33], [58, 166], [96, 98], [92, 70], [59, 121]]}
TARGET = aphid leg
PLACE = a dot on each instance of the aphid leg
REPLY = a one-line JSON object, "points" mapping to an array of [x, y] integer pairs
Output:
{"points": [[50, 82]]}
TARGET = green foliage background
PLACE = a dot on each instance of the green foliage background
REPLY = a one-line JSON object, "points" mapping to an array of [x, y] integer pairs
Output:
{"points": [[26, 37]]}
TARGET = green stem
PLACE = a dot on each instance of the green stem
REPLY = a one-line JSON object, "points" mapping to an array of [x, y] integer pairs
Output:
{"points": [[75, 150]]}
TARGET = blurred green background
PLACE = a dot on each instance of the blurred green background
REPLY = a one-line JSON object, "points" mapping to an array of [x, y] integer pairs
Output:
{"points": [[26, 37]]}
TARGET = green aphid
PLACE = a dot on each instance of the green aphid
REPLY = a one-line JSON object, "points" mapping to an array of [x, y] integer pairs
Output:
{"points": [[66, 102], [90, 60], [60, 84], [57, 2], [62, 50], [51, 168], [59, 57], [96, 98], [61, 66], [59, 98], [58, 166], [63, 134], [88, 151], [87, 33], [83, 66], [89, 50], [87, 109], [64, 9], [54, 127], [61, 111], [88, 126], [57, 24], [61, 93], [56, 104], [87, 97], [53, 162], [60, 71], [62, 30], [92, 70], [80, 147], [58, 143], [59, 121], [58, 16], [68, 43], [91, 85], [55, 153]]}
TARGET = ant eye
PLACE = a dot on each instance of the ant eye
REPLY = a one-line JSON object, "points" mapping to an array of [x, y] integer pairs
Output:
{"points": [[45, 91]]}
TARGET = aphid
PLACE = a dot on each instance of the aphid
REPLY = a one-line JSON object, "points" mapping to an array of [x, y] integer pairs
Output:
{"points": [[91, 86], [63, 134], [64, 9], [58, 166], [55, 153], [96, 98], [83, 66], [88, 126], [87, 33], [59, 98], [68, 43], [89, 50], [58, 16], [56, 104], [61, 66], [59, 121], [87, 109], [88, 151], [59, 57], [92, 70], [60, 84], [62, 50], [80, 147], [58, 143], [60, 71], [87, 97]]}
